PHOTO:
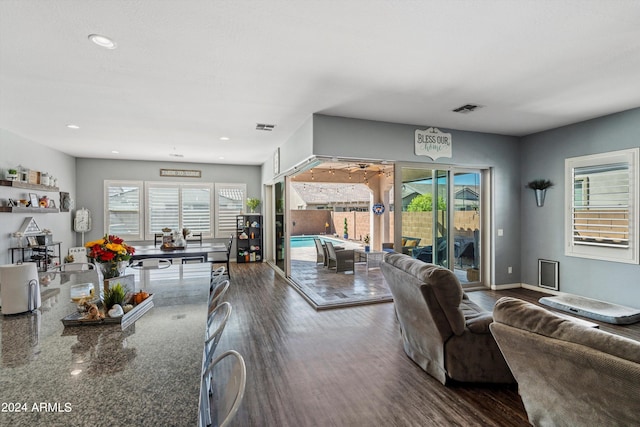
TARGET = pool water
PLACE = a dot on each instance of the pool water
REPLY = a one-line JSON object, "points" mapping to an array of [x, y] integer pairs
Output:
{"points": [[307, 241]]}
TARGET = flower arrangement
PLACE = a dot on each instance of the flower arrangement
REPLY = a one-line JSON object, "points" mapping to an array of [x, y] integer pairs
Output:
{"points": [[109, 249]]}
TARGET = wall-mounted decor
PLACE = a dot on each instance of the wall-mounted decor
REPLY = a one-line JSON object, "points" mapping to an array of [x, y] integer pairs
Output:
{"points": [[548, 274], [181, 173], [433, 143], [378, 208], [540, 187], [65, 202]]}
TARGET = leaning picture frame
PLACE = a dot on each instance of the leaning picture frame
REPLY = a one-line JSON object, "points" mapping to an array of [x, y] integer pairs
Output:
{"points": [[32, 241], [33, 198]]}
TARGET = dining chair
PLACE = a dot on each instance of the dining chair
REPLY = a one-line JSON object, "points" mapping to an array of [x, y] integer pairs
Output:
{"points": [[216, 322], [222, 389], [195, 237], [215, 297], [216, 276], [223, 258]]}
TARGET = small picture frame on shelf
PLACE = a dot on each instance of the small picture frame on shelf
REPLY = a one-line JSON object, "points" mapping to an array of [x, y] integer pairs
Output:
{"points": [[32, 241], [33, 199]]}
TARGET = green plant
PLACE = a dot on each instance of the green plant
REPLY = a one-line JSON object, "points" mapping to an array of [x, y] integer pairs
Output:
{"points": [[253, 203], [114, 295], [367, 239], [13, 171], [539, 184], [424, 203], [346, 227]]}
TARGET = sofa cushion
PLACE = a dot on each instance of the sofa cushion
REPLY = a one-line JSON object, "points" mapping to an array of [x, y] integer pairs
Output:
{"points": [[439, 282], [524, 315]]}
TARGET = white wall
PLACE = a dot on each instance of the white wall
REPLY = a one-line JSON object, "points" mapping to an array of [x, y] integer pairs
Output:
{"points": [[14, 151]]}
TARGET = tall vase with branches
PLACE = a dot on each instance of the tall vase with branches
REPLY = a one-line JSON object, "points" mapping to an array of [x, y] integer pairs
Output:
{"points": [[540, 187]]}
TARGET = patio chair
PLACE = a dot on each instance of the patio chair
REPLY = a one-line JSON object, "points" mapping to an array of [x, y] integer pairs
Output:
{"points": [[342, 260], [320, 258]]}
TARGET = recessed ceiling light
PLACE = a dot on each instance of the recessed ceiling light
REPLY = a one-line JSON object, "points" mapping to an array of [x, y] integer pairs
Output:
{"points": [[115, 152], [220, 158], [102, 41], [72, 126], [224, 138]]}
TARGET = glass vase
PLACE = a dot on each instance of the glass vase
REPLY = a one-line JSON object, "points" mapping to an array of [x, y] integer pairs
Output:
{"points": [[112, 269]]}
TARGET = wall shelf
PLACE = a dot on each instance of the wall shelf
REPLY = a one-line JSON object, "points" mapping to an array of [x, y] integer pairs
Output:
{"points": [[26, 185], [20, 209]]}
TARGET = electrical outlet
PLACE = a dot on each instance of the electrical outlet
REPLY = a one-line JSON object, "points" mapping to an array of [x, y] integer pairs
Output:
{"points": [[509, 270]]}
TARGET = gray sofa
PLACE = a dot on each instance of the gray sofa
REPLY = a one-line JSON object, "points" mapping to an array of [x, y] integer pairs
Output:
{"points": [[443, 331], [568, 374]]}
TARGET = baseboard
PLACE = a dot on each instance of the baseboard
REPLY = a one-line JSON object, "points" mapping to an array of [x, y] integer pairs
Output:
{"points": [[540, 289], [506, 286]]}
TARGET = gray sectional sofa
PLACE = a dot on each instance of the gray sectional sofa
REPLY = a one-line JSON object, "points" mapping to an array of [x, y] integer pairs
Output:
{"points": [[443, 331]]}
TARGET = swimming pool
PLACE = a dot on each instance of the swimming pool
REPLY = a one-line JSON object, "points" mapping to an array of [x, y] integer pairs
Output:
{"points": [[307, 241]]}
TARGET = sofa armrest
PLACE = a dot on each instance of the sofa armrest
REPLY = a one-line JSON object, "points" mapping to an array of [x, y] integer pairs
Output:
{"points": [[479, 323]]}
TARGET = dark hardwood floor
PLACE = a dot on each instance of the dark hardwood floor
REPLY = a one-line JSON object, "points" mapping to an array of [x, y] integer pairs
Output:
{"points": [[346, 367]]}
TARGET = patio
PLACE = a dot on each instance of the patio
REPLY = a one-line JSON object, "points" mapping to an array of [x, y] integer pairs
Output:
{"points": [[324, 288]]}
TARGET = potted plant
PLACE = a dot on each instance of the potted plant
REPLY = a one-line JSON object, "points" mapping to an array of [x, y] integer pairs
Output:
{"points": [[11, 175], [253, 203], [345, 230], [540, 187], [367, 239]]}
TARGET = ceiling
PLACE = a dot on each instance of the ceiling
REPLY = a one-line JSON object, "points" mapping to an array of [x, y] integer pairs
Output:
{"points": [[186, 73]]}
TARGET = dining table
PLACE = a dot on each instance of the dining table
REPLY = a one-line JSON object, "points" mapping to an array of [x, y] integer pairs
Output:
{"points": [[189, 251], [106, 374]]}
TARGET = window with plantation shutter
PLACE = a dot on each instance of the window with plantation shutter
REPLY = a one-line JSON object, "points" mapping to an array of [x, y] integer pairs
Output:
{"points": [[230, 201], [178, 206], [123, 202], [602, 192]]}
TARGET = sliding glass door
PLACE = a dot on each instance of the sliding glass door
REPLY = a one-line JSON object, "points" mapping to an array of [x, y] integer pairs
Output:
{"points": [[441, 218]]}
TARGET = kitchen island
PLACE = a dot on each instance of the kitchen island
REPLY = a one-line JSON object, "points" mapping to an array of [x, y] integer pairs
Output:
{"points": [[102, 375]]}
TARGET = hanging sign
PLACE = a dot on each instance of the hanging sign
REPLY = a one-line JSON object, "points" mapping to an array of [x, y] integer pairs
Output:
{"points": [[378, 208], [433, 143], [181, 173]]}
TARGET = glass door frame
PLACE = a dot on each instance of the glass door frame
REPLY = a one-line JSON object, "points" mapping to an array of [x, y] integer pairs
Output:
{"points": [[485, 209]]}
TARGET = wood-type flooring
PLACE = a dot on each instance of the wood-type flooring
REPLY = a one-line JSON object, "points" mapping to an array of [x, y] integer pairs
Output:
{"points": [[346, 366]]}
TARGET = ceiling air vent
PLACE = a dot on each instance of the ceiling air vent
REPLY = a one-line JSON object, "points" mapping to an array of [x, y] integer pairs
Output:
{"points": [[265, 127], [468, 108]]}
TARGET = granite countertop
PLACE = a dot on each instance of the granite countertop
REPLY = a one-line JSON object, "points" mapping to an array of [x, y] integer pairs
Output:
{"points": [[101, 375]]}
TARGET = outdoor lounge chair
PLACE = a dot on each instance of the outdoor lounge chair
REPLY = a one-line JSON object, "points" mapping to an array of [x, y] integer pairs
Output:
{"points": [[320, 258], [342, 260]]}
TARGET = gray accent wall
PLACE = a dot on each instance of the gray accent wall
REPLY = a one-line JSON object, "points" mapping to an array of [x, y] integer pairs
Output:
{"points": [[16, 150], [365, 139], [93, 172], [543, 156]]}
